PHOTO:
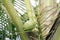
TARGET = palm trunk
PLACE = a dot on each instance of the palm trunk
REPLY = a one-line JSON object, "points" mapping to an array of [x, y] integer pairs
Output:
{"points": [[0, 6], [56, 36]]}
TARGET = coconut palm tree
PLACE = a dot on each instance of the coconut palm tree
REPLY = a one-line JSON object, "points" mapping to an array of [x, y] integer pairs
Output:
{"points": [[21, 20]]}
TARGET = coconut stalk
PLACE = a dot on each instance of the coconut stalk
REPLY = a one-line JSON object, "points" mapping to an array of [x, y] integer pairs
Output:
{"points": [[48, 14], [30, 10], [15, 18], [32, 22], [32, 19]]}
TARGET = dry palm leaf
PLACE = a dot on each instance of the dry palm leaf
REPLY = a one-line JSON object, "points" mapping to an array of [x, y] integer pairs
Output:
{"points": [[48, 14]]}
